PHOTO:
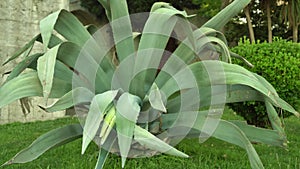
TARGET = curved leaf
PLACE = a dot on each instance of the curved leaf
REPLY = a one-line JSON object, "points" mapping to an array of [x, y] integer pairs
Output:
{"points": [[20, 67], [229, 132], [152, 142], [121, 27], [25, 48], [95, 116], [45, 70], [156, 33], [25, 85], [224, 16], [65, 24], [156, 99], [76, 96], [52, 139], [128, 110]]}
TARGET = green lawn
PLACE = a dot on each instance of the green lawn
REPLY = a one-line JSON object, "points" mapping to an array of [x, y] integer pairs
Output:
{"points": [[211, 154]]}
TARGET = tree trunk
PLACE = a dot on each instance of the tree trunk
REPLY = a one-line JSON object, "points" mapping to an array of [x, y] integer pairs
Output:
{"points": [[250, 26], [268, 6], [295, 32]]}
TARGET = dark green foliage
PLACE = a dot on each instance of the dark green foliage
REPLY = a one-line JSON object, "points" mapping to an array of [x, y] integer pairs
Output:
{"points": [[136, 6], [279, 63]]}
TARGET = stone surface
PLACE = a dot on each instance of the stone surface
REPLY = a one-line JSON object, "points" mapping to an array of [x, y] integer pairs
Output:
{"points": [[19, 21]]}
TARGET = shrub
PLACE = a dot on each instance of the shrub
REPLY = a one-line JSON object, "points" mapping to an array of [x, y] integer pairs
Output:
{"points": [[278, 63]]}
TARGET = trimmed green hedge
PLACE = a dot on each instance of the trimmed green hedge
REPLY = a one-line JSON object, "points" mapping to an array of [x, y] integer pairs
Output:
{"points": [[279, 63]]}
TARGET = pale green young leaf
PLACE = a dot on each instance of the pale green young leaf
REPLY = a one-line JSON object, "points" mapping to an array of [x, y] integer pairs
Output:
{"points": [[97, 110]]}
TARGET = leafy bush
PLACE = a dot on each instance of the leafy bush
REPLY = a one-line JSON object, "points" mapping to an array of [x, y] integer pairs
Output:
{"points": [[278, 62]]}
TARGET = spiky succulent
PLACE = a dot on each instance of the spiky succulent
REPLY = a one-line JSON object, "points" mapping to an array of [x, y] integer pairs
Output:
{"points": [[134, 96]]}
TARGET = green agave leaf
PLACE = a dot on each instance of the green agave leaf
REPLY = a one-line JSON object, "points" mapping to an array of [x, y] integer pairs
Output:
{"points": [[20, 67], [156, 99], [106, 6], [223, 49], [76, 96], [28, 85], [52, 139], [152, 142], [68, 53], [225, 131], [97, 110], [45, 70], [103, 154], [156, 34], [92, 28], [254, 134], [54, 40], [27, 47], [234, 55], [274, 119], [25, 85], [261, 135], [234, 93], [59, 60], [212, 32], [65, 24], [236, 74], [159, 5], [224, 16], [128, 110], [229, 132], [121, 27]]}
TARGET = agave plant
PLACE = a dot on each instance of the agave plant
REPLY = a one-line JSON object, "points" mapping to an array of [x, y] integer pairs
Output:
{"points": [[133, 97]]}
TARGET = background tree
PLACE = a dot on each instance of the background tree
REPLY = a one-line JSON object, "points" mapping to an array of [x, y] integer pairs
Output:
{"points": [[290, 14], [249, 22]]}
